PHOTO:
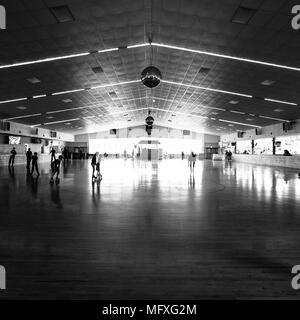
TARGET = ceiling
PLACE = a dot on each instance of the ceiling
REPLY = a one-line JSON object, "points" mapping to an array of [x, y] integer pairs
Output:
{"points": [[199, 91]]}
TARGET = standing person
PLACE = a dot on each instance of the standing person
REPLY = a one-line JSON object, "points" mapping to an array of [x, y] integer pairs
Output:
{"points": [[52, 153], [12, 157], [229, 155], [192, 160], [28, 158], [65, 153], [99, 175], [182, 155], [34, 162], [55, 168], [94, 163], [80, 154]]}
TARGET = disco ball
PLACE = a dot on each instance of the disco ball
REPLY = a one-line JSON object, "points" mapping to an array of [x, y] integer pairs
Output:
{"points": [[151, 77], [149, 121]]}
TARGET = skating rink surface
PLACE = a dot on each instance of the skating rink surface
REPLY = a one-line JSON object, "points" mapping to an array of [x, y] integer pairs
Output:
{"points": [[150, 230]]}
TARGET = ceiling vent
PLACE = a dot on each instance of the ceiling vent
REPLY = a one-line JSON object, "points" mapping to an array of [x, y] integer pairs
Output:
{"points": [[268, 82], [97, 70], [113, 95], [33, 80], [204, 71], [62, 14], [67, 100], [243, 15]]}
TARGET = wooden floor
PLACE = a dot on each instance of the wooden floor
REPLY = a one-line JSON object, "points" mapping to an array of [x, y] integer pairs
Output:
{"points": [[150, 231]]}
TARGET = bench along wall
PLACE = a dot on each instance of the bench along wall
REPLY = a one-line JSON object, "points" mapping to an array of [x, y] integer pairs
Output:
{"points": [[269, 160]]}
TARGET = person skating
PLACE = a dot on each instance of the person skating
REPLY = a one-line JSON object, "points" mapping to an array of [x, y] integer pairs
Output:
{"points": [[28, 158], [98, 175], [12, 157], [52, 153], [94, 163], [55, 169], [34, 163], [192, 161]]}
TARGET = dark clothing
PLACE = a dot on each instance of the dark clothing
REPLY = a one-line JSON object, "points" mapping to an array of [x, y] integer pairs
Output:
{"points": [[65, 153], [28, 157], [12, 158], [35, 164], [53, 152], [55, 166], [94, 159], [94, 162]]}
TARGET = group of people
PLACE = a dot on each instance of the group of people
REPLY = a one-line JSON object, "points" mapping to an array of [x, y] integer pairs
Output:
{"points": [[228, 155], [32, 158], [32, 163]]}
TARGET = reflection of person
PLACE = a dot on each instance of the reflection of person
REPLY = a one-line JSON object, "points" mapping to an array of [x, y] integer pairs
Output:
{"points": [[12, 157], [28, 158], [35, 164]]}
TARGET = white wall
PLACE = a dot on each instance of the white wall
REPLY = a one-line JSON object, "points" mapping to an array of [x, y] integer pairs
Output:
{"points": [[24, 130], [158, 132], [274, 130]]}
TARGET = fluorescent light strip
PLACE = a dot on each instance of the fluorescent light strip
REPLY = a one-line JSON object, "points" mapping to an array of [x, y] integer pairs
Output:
{"points": [[237, 112], [138, 46], [208, 89], [227, 57], [107, 50], [69, 91], [114, 84], [66, 110], [62, 121], [157, 45], [13, 100], [280, 101], [126, 111], [185, 104], [39, 96], [23, 117], [240, 123], [44, 60], [271, 118], [89, 117]]}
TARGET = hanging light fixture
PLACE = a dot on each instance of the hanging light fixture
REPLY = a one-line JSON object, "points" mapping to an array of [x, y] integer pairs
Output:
{"points": [[151, 75], [149, 123]]}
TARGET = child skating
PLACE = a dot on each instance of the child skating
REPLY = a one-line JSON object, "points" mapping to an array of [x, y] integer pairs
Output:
{"points": [[55, 170], [98, 176]]}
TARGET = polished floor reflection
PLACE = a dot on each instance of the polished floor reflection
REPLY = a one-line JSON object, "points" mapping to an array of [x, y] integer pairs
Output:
{"points": [[150, 230]]}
